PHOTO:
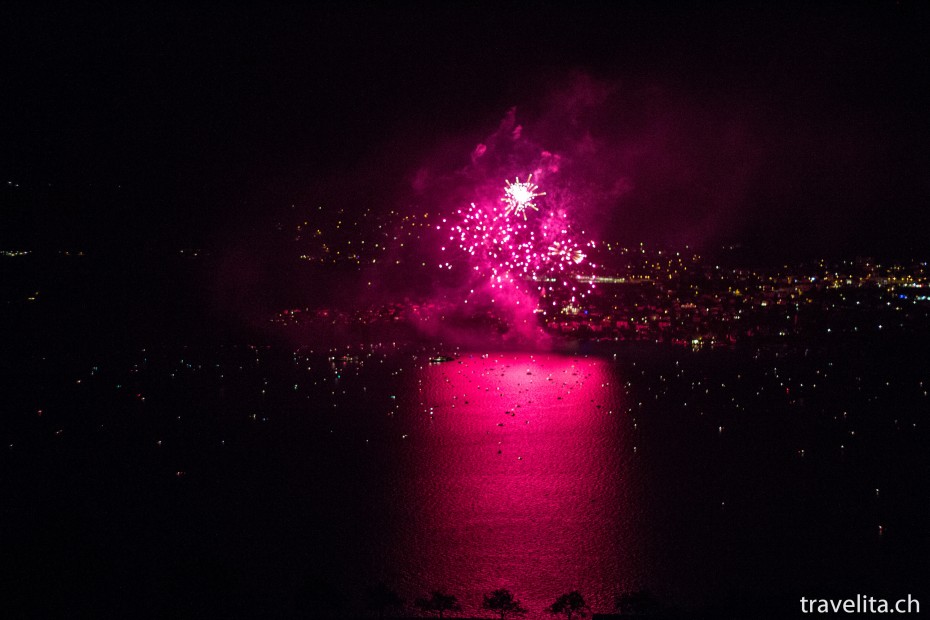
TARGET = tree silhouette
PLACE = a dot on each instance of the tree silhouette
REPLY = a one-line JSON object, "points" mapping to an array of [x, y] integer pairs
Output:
{"points": [[639, 603], [438, 602], [381, 597], [502, 601], [568, 604]]}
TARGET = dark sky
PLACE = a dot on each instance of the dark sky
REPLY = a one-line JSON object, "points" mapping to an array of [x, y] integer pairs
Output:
{"points": [[798, 128]]}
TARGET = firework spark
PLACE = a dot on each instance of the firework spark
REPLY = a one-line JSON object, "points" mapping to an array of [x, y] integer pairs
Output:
{"points": [[519, 196], [565, 252]]}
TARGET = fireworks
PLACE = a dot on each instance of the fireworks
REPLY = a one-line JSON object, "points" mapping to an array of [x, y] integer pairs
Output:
{"points": [[519, 196], [564, 252], [536, 257]]}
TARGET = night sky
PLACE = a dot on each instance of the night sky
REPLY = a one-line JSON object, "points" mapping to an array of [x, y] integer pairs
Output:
{"points": [[796, 130]]}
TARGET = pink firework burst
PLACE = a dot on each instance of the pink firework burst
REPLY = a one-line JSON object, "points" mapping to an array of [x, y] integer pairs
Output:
{"points": [[537, 257]]}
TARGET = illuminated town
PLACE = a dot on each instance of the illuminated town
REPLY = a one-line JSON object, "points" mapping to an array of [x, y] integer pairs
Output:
{"points": [[644, 294]]}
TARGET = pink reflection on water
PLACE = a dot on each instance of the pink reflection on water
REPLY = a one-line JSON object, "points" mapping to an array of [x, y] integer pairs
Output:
{"points": [[516, 477]]}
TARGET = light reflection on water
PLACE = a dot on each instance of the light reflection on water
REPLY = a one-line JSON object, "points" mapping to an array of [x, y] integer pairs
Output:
{"points": [[516, 476], [725, 479]]}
